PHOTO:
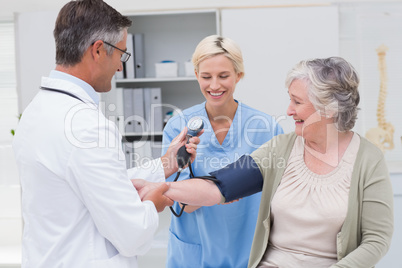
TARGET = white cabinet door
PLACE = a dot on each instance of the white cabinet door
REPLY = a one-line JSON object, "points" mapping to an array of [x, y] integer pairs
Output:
{"points": [[273, 40]]}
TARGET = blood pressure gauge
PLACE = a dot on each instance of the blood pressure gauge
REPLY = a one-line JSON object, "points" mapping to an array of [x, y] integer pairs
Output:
{"points": [[194, 126]]}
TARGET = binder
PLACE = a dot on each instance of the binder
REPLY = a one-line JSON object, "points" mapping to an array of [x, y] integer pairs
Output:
{"points": [[142, 152], [128, 110], [156, 149], [111, 105], [128, 153], [153, 109], [129, 65], [147, 109], [114, 109], [138, 110], [139, 57], [119, 112], [156, 104]]}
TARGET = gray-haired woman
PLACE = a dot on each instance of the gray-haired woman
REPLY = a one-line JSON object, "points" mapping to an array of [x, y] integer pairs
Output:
{"points": [[326, 194]]}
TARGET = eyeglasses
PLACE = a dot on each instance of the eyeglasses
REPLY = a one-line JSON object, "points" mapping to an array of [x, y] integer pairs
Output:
{"points": [[125, 56]]}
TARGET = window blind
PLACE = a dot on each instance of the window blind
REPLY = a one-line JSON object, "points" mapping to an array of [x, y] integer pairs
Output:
{"points": [[7, 56], [8, 92]]}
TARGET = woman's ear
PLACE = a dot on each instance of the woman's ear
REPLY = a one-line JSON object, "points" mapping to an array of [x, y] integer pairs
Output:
{"points": [[239, 76], [326, 113]]}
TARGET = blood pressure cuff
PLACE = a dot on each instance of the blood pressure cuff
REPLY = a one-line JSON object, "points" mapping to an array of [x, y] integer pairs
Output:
{"points": [[239, 179]]}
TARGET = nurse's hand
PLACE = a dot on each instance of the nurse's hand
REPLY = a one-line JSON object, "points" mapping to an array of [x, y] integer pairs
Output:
{"points": [[169, 160]]}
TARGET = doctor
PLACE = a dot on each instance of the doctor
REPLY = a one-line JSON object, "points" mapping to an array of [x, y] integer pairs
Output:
{"points": [[79, 206]]}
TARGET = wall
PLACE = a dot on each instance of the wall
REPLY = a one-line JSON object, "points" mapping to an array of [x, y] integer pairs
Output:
{"points": [[273, 45], [9, 7], [363, 29], [31, 66]]}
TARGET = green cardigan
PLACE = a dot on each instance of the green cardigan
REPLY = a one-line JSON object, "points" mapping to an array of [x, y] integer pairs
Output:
{"points": [[366, 233]]}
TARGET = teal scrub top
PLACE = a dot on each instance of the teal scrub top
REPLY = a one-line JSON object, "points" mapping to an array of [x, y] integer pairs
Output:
{"points": [[221, 235]]}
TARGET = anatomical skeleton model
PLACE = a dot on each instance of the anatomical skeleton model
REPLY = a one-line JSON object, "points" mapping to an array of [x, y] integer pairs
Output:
{"points": [[383, 134]]}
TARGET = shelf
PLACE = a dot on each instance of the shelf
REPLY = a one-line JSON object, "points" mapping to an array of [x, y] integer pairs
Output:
{"points": [[154, 79], [172, 12], [145, 136], [134, 134]]}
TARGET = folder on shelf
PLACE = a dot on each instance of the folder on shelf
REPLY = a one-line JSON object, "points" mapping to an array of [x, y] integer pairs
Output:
{"points": [[142, 152], [153, 109], [139, 57], [128, 110], [147, 107], [138, 110], [112, 105], [156, 105], [156, 149], [129, 65], [119, 110], [128, 152]]}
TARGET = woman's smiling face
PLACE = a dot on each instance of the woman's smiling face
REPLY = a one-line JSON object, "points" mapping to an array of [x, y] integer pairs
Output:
{"points": [[217, 79], [308, 121]]}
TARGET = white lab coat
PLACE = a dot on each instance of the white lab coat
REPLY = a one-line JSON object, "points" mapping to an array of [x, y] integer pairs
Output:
{"points": [[78, 204]]}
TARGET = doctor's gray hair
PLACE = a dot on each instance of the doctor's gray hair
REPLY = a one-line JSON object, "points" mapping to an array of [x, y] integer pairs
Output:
{"points": [[214, 45], [332, 88], [81, 23]]}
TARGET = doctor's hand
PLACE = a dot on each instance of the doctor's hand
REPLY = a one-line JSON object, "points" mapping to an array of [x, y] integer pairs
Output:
{"points": [[153, 192], [169, 160], [143, 187]]}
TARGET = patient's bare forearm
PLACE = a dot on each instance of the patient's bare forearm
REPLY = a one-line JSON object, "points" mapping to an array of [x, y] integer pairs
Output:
{"points": [[194, 192]]}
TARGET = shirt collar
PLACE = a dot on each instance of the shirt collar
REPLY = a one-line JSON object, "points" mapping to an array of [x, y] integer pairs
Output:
{"points": [[82, 84]]}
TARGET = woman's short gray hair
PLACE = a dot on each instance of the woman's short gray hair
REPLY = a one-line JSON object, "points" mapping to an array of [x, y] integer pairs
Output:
{"points": [[332, 88]]}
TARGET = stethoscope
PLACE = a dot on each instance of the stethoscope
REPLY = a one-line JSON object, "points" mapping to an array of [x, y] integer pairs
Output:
{"points": [[62, 92]]}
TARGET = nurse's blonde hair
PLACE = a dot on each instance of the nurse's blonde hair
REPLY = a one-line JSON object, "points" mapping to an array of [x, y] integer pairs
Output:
{"points": [[214, 45]]}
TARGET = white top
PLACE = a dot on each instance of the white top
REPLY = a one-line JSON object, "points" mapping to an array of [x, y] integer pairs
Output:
{"points": [[308, 211], [78, 204]]}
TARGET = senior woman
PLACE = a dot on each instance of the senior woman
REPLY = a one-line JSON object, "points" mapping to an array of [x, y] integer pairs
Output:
{"points": [[326, 194]]}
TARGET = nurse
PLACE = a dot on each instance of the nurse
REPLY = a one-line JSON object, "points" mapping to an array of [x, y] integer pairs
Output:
{"points": [[221, 235]]}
